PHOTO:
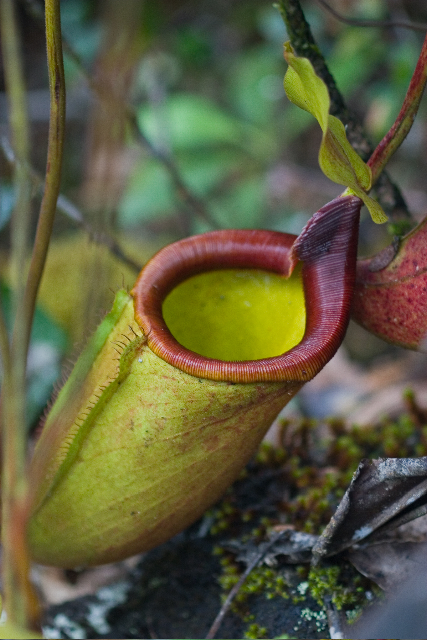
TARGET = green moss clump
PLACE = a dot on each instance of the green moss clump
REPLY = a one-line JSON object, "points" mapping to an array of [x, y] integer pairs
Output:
{"points": [[324, 582], [266, 581], [223, 517], [255, 631], [300, 485], [315, 466]]}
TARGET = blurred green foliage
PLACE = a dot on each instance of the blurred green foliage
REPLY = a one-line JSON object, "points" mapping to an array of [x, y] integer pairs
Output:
{"points": [[208, 90], [7, 202]]}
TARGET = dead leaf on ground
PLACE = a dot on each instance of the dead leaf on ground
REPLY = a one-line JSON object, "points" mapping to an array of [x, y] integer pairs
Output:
{"points": [[382, 495], [403, 614]]}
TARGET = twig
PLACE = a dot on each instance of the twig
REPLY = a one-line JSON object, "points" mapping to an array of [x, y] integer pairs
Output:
{"points": [[18, 118], [53, 165], [336, 619], [21, 603], [303, 42], [235, 590], [183, 192], [384, 24]]}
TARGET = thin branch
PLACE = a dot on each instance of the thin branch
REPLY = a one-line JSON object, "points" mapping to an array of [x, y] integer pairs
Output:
{"points": [[4, 345], [303, 42], [336, 619], [184, 194], [383, 24], [19, 125], [21, 603], [304, 45], [53, 165]]}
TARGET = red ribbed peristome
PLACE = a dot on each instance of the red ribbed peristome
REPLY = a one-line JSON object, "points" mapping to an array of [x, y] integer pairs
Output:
{"points": [[327, 248]]}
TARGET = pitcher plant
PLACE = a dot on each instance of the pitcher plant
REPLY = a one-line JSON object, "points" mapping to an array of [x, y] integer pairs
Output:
{"points": [[181, 381]]}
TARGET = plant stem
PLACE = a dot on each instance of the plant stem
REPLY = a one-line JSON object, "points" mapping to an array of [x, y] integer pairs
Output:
{"points": [[18, 118], [381, 24], [53, 165], [21, 601], [403, 123], [263, 550], [303, 42], [304, 45]]}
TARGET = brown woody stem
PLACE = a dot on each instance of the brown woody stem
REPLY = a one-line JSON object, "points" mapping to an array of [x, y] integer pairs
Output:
{"points": [[303, 43]]}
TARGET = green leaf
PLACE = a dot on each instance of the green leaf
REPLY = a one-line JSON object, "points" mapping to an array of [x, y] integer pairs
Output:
{"points": [[337, 158]]}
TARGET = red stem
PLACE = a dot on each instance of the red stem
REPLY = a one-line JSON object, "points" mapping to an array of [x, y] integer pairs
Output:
{"points": [[400, 129]]}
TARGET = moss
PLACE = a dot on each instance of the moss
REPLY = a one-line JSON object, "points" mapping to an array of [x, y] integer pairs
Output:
{"points": [[262, 580], [300, 485], [323, 582], [313, 489], [267, 581], [270, 456], [223, 516], [341, 584], [255, 631], [230, 574]]}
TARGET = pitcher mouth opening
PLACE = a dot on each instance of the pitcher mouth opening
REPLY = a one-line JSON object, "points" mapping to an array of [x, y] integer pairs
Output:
{"points": [[325, 301], [237, 314]]}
